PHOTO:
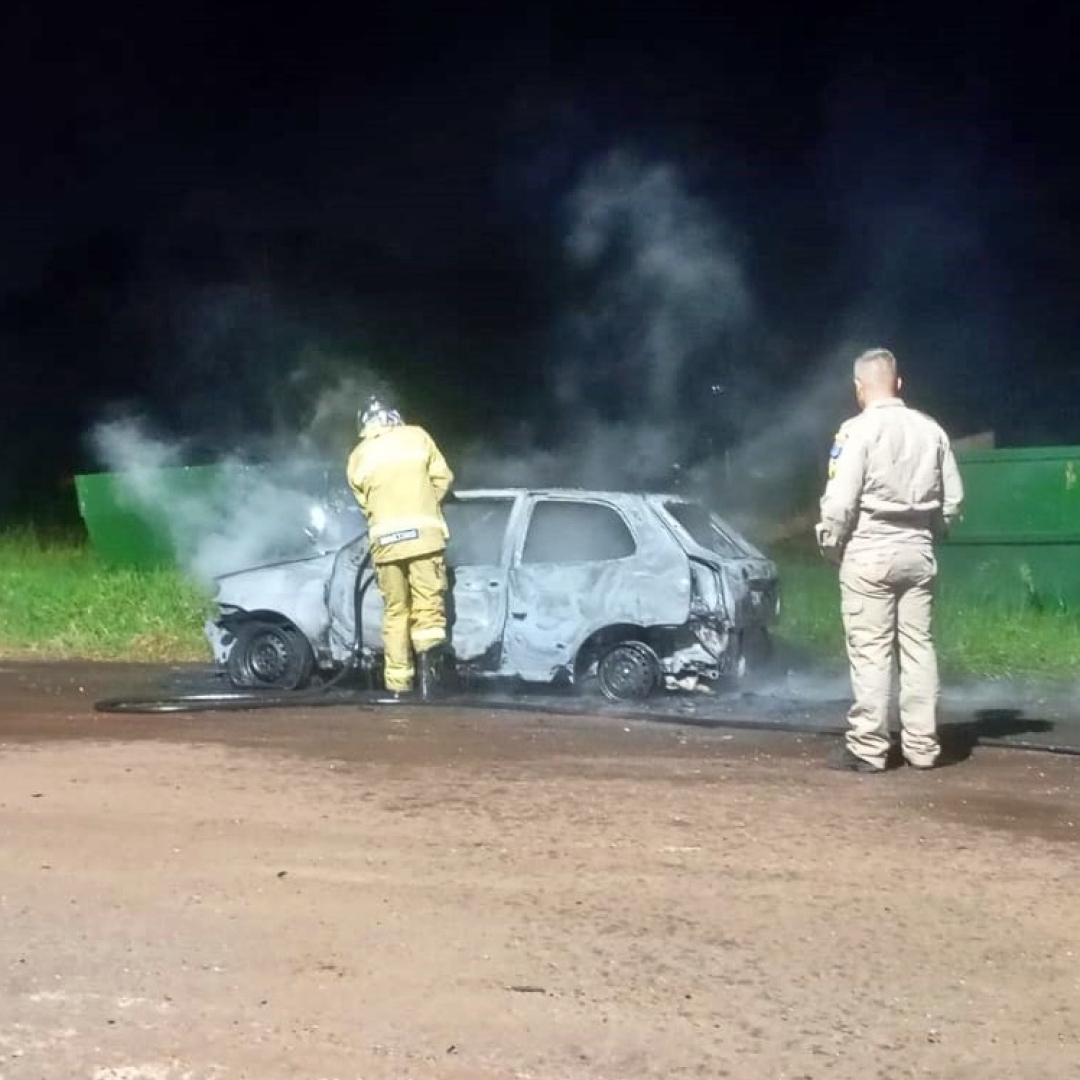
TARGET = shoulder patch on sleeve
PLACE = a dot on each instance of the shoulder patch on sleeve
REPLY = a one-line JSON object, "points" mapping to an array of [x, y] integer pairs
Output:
{"points": [[836, 450]]}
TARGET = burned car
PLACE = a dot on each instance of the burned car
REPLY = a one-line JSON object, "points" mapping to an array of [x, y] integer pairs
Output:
{"points": [[630, 592]]}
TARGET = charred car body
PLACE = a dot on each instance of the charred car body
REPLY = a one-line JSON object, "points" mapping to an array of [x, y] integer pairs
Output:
{"points": [[634, 591]]}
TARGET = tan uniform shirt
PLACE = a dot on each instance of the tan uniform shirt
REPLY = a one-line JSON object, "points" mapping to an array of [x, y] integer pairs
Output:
{"points": [[400, 477], [892, 477]]}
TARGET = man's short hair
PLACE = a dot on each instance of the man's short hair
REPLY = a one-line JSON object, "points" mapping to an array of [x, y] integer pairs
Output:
{"points": [[875, 365]]}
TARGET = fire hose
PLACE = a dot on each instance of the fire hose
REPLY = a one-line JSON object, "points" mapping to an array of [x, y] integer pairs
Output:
{"points": [[373, 700]]}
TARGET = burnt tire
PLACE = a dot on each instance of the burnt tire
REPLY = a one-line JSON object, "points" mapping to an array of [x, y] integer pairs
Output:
{"points": [[270, 656], [628, 671]]}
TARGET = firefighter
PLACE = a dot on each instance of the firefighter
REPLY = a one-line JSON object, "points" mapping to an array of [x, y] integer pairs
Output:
{"points": [[893, 489], [400, 478]]}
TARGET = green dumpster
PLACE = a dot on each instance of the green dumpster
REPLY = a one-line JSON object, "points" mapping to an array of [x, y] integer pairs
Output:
{"points": [[127, 515], [1018, 545], [157, 517]]}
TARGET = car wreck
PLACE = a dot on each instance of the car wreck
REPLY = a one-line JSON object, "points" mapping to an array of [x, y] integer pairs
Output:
{"points": [[629, 592]]}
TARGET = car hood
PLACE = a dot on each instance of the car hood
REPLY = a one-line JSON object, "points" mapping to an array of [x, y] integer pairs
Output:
{"points": [[276, 566], [274, 585]]}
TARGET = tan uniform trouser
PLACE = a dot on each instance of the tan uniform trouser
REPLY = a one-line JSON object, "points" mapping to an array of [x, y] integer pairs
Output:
{"points": [[887, 600], [413, 592]]}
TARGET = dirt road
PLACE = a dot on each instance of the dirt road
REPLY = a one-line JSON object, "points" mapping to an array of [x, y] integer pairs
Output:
{"points": [[334, 895]]}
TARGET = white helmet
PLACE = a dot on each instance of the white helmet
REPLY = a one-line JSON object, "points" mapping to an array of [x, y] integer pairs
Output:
{"points": [[377, 413]]}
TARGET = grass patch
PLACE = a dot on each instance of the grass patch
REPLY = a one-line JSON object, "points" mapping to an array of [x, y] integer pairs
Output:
{"points": [[810, 607], [58, 600], [972, 640]]}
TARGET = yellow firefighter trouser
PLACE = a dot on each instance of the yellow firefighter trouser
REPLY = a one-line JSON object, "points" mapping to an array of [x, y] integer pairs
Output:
{"points": [[413, 592], [887, 599]]}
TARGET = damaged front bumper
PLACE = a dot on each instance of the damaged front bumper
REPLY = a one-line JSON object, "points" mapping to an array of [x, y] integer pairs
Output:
{"points": [[220, 640]]}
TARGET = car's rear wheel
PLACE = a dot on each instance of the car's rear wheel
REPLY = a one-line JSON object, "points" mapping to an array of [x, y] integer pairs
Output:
{"points": [[271, 656], [628, 671]]}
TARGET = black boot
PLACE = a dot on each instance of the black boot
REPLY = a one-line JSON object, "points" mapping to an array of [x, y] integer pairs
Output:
{"points": [[427, 673], [433, 672]]}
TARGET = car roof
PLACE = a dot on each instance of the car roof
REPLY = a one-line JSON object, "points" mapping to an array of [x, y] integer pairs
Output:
{"points": [[565, 493]]}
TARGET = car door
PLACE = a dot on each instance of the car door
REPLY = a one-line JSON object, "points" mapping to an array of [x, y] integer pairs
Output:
{"points": [[581, 564], [350, 564], [477, 556]]}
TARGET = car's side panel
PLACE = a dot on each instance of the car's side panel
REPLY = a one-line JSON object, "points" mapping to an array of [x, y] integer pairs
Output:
{"points": [[477, 558], [476, 611], [296, 590], [476, 606], [554, 607]]}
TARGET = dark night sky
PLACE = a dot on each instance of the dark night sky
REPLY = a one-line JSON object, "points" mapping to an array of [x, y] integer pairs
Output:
{"points": [[396, 177]]}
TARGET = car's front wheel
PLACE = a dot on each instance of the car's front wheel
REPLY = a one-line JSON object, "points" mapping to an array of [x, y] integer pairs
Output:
{"points": [[267, 655]]}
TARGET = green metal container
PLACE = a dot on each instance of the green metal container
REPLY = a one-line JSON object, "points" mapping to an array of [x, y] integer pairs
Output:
{"points": [[159, 516], [128, 530], [1018, 545]]}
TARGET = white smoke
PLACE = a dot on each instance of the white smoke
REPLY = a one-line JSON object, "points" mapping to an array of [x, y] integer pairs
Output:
{"points": [[652, 384], [655, 381], [670, 287], [249, 507], [658, 297]]}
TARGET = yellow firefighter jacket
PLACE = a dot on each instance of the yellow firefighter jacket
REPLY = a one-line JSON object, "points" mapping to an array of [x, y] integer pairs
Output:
{"points": [[399, 478]]}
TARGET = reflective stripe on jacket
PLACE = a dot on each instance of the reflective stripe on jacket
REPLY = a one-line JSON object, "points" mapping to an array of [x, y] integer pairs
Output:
{"points": [[400, 477]]}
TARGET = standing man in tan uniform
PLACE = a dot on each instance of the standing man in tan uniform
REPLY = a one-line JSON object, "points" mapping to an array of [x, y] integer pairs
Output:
{"points": [[400, 478], [893, 489]]}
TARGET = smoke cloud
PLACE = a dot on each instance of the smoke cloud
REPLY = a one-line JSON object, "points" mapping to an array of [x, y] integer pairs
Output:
{"points": [[655, 379], [655, 299], [661, 376], [653, 383], [251, 506]]}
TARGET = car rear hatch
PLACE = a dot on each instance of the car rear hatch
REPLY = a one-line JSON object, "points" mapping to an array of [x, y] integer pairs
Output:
{"points": [[747, 579]]}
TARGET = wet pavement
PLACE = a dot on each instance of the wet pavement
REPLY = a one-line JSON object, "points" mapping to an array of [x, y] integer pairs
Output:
{"points": [[989, 713]]}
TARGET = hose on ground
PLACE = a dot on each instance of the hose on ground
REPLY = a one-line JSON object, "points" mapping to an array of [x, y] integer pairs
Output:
{"points": [[370, 701]]}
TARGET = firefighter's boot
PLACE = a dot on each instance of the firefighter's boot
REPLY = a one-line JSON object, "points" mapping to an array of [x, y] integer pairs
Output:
{"points": [[429, 673]]}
